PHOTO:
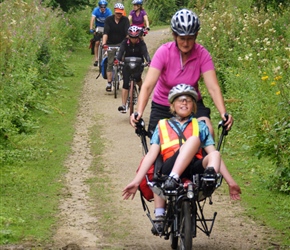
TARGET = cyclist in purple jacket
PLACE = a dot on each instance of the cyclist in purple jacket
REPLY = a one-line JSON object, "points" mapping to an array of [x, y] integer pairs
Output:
{"points": [[138, 16]]}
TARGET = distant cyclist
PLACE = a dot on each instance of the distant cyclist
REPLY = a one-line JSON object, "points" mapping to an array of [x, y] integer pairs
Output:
{"points": [[116, 28], [99, 15], [133, 46], [138, 15]]}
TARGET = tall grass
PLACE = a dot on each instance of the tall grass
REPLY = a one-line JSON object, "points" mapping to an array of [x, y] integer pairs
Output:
{"points": [[35, 45], [252, 55]]}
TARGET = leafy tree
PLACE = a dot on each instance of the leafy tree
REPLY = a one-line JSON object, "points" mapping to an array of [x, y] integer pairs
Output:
{"points": [[67, 5], [166, 8]]}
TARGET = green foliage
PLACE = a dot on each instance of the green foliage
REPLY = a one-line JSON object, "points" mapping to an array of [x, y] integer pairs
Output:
{"points": [[251, 54], [164, 8], [266, 5], [67, 5], [31, 63], [31, 175]]}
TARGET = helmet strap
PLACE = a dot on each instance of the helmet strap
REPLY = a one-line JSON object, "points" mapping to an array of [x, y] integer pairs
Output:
{"points": [[181, 119]]}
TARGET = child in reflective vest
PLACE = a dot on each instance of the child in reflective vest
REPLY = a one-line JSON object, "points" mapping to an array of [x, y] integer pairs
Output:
{"points": [[180, 156]]}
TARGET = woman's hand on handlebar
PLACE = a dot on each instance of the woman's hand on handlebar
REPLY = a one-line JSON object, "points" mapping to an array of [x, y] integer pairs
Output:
{"points": [[228, 120], [134, 118]]}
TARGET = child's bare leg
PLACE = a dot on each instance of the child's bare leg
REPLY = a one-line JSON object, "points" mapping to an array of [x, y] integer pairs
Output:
{"points": [[213, 159], [187, 151], [159, 205]]}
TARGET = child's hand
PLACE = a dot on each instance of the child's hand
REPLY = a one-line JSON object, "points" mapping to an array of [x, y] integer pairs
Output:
{"points": [[235, 192], [129, 190]]}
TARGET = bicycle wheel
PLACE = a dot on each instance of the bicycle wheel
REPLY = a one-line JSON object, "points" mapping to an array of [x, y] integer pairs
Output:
{"points": [[115, 81], [185, 239], [131, 96], [173, 238], [100, 55]]}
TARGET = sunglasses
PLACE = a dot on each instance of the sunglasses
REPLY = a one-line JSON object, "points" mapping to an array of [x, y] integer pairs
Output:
{"points": [[182, 99], [103, 7]]}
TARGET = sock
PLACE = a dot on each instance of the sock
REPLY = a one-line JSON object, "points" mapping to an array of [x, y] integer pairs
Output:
{"points": [[160, 211], [174, 175]]}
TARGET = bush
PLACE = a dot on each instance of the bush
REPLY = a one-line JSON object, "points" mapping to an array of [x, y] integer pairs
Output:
{"points": [[251, 55], [32, 62]]}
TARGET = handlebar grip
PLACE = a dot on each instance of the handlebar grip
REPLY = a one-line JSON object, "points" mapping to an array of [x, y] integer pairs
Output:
{"points": [[226, 116], [222, 122], [135, 115]]}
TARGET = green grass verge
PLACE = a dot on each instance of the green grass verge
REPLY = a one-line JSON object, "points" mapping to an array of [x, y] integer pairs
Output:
{"points": [[268, 208], [30, 190]]}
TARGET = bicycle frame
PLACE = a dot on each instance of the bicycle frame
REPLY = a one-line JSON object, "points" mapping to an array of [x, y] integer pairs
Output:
{"points": [[185, 205], [117, 73], [133, 65], [100, 30]]}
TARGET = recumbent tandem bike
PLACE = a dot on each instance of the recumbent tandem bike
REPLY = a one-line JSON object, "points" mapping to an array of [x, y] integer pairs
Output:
{"points": [[185, 205]]}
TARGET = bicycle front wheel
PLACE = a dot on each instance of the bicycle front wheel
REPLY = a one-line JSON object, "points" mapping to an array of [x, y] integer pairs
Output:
{"points": [[185, 226], [115, 82], [100, 56], [131, 98]]}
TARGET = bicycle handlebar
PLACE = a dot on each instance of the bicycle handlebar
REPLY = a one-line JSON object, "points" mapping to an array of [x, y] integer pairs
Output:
{"points": [[111, 47], [222, 123], [224, 131], [140, 126], [145, 64]]}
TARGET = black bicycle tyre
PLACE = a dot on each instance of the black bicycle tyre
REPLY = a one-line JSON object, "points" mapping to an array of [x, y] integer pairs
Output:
{"points": [[131, 101], [173, 238], [185, 239], [100, 56], [115, 83]]}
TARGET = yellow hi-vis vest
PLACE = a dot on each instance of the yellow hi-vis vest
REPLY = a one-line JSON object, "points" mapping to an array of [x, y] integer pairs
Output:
{"points": [[169, 139]]}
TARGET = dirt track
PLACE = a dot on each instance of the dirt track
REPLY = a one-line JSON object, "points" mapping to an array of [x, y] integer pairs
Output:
{"points": [[77, 222]]}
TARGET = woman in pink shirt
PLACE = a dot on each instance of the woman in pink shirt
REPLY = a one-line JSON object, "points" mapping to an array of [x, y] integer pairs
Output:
{"points": [[182, 61]]}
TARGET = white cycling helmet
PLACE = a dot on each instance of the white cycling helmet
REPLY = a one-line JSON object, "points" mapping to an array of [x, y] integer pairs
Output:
{"points": [[138, 2], [119, 6], [182, 89], [185, 22]]}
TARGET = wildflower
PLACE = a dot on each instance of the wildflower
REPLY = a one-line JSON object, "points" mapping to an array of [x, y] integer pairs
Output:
{"points": [[277, 78], [264, 78], [278, 93], [273, 83]]}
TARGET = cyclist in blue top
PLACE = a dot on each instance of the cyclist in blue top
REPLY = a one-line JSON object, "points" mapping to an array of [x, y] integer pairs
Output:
{"points": [[99, 15]]}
